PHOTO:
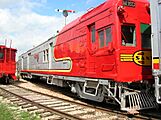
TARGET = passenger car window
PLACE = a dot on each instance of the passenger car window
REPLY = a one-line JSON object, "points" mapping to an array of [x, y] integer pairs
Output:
{"points": [[128, 35], [13, 55], [44, 56], [105, 36], [101, 38], [92, 33], [47, 54], [108, 35]]}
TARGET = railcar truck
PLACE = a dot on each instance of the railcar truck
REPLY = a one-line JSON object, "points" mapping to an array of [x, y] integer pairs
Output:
{"points": [[156, 45]]}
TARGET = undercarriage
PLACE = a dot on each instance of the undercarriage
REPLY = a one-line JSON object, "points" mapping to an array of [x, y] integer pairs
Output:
{"points": [[119, 93], [130, 96], [6, 79]]}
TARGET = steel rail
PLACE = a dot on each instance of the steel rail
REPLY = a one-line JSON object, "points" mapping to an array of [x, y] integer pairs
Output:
{"points": [[45, 107], [139, 116]]}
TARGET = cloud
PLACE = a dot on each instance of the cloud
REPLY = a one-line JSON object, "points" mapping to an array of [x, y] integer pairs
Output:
{"points": [[26, 28], [21, 3], [89, 1]]}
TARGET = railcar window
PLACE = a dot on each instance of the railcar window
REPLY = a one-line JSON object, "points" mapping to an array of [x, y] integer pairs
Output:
{"points": [[13, 55], [1, 55], [93, 31], [108, 35], [47, 54], [146, 35], [128, 35], [44, 56], [101, 38], [8, 55]]}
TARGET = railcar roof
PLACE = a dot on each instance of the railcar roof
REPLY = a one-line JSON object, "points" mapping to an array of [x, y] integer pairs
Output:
{"points": [[91, 12], [79, 19], [94, 11], [3, 46]]}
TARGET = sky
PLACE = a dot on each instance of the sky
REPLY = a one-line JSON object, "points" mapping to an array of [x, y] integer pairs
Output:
{"points": [[28, 23]]}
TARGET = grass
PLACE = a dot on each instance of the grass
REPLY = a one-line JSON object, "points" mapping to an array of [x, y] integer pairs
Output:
{"points": [[5, 113], [10, 112]]}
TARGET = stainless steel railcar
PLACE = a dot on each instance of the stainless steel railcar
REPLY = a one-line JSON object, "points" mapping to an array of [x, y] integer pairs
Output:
{"points": [[156, 45]]}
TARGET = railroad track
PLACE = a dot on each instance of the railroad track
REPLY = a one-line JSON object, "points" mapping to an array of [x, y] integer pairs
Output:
{"points": [[49, 107]]}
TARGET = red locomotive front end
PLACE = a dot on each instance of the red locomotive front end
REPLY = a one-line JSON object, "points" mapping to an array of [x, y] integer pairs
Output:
{"points": [[7, 64], [134, 33]]}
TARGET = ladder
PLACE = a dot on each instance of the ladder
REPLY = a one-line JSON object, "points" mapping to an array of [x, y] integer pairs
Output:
{"points": [[158, 89], [138, 101]]}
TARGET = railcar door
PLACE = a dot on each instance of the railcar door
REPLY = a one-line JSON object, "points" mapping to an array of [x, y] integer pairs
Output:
{"points": [[91, 49], [101, 58], [105, 55]]}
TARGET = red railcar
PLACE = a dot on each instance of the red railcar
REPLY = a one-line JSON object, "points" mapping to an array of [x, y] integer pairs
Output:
{"points": [[109, 40], [7, 64], [106, 53]]}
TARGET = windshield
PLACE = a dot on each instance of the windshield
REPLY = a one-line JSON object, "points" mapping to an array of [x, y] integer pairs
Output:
{"points": [[146, 35], [1, 55], [128, 35]]}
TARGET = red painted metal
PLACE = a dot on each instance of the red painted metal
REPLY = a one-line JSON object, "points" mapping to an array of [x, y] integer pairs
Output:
{"points": [[7, 62], [114, 61]]}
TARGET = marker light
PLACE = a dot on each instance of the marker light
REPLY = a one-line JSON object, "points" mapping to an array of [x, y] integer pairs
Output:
{"points": [[155, 63]]}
